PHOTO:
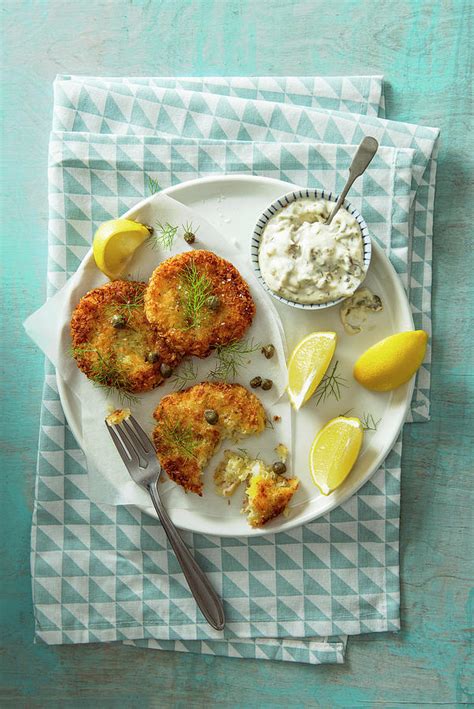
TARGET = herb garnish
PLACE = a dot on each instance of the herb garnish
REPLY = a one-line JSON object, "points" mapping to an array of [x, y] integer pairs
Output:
{"points": [[231, 358], [105, 374], [330, 385], [162, 235], [243, 452], [186, 374], [346, 413], [153, 186], [369, 423], [269, 424], [128, 305], [196, 291], [180, 436]]}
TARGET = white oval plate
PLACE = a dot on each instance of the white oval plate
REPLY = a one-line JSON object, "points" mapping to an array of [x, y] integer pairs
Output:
{"points": [[232, 204]]}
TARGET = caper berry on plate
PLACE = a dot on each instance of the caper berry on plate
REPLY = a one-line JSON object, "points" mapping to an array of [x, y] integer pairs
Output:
{"points": [[279, 468], [267, 384], [152, 357], [165, 370], [268, 351], [213, 302], [211, 416], [256, 382], [118, 321], [189, 237]]}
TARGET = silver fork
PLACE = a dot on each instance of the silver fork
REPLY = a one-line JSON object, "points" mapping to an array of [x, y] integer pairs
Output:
{"points": [[139, 456]]}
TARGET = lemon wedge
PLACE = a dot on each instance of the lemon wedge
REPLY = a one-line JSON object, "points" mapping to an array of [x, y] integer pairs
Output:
{"points": [[308, 364], [334, 452], [392, 361], [114, 244]]}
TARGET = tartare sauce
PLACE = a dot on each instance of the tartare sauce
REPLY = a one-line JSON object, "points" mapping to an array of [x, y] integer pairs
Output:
{"points": [[306, 261]]}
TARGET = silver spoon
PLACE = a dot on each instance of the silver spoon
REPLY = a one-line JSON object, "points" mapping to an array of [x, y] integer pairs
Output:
{"points": [[360, 162]]}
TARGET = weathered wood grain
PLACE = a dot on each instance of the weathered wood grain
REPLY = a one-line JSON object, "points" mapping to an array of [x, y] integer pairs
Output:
{"points": [[423, 48]]}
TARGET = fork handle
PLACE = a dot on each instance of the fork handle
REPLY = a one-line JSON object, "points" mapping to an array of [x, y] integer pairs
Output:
{"points": [[207, 599]]}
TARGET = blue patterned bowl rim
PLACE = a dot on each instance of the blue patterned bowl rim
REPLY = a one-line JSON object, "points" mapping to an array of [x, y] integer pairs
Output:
{"points": [[280, 204]]}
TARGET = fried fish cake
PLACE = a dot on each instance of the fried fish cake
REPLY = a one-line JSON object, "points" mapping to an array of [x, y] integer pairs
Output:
{"points": [[267, 495], [198, 301], [113, 342], [185, 440]]}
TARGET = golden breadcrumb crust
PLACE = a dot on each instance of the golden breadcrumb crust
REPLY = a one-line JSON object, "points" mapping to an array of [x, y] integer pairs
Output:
{"points": [[267, 497], [116, 356], [185, 441], [165, 297]]}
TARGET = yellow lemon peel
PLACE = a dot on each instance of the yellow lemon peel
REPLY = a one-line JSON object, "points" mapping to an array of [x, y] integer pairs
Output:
{"points": [[114, 244], [391, 362]]}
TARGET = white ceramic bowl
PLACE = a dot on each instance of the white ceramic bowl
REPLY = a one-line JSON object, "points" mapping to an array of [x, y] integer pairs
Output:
{"points": [[280, 204]]}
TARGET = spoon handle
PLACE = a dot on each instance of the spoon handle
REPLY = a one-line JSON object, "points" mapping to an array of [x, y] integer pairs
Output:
{"points": [[361, 160]]}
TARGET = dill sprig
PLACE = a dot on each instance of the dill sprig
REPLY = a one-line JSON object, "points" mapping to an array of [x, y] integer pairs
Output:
{"points": [[152, 184], [369, 423], [128, 305], [231, 358], [186, 374], [346, 413], [105, 374], [269, 424], [243, 452], [179, 436], [196, 291], [330, 385], [188, 227], [162, 235]]}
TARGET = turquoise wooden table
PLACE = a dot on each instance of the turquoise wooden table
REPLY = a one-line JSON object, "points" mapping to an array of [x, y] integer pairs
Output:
{"points": [[422, 48]]}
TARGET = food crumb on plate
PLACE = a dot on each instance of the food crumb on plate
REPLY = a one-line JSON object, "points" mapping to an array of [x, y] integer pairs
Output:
{"points": [[116, 416], [282, 452], [353, 311]]}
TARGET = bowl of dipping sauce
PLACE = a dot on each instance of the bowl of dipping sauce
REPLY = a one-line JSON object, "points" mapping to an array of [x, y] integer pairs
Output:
{"points": [[303, 262]]}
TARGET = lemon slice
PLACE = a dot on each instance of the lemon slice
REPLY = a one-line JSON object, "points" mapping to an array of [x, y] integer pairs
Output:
{"points": [[308, 364], [114, 244], [392, 361], [334, 452]]}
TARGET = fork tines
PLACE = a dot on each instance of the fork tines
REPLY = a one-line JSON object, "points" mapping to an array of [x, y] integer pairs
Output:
{"points": [[130, 440]]}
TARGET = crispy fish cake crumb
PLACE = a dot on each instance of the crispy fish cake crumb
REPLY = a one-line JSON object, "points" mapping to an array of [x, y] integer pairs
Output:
{"points": [[267, 493], [185, 441], [267, 496], [116, 416], [198, 301], [113, 342]]}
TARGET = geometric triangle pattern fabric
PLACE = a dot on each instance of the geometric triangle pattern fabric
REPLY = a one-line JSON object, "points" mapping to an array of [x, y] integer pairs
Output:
{"points": [[104, 573], [365, 93]]}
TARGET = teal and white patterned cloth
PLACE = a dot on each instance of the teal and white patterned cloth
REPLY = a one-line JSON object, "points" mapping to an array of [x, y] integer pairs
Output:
{"points": [[103, 573]]}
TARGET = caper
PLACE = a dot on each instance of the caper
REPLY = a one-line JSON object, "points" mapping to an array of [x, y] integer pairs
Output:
{"points": [[213, 302], [189, 237], [256, 382], [165, 370], [152, 357], [211, 416], [267, 384], [268, 351], [119, 321], [279, 468]]}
